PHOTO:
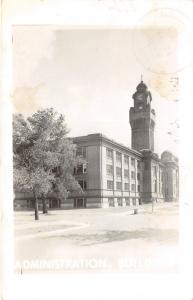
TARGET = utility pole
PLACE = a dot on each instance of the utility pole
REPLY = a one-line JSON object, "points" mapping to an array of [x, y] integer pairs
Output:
{"points": [[152, 205]]}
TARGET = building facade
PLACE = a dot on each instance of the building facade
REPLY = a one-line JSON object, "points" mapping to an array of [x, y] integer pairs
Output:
{"points": [[115, 175]]}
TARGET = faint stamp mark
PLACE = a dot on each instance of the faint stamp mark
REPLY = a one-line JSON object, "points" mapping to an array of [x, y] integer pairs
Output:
{"points": [[162, 41]]}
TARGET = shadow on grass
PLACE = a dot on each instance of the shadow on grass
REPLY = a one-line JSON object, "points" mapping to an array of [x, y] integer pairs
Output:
{"points": [[167, 237]]}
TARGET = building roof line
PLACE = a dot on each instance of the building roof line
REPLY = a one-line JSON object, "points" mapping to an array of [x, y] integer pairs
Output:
{"points": [[101, 136]]}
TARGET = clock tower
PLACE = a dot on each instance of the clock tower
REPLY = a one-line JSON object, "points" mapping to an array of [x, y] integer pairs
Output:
{"points": [[142, 119]]}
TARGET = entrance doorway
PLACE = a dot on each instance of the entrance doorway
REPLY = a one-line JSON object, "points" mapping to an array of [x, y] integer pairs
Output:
{"points": [[80, 203], [54, 203], [111, 202]]}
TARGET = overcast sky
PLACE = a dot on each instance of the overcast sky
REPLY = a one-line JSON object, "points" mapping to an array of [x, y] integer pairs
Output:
{"points": [[90, 76]]}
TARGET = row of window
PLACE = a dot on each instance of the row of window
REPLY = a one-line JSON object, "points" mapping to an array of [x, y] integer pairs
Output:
{"points": [[81, 151], [109, 171], [82, 169], [156, 188], [157, 180], [110, 186], [109, 155], [128, 202]]}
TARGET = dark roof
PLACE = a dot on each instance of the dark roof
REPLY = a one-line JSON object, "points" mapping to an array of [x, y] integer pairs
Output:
{"points": [[141, 86]]}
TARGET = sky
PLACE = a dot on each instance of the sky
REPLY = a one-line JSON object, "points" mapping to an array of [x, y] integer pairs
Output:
{"points": [[90, 75]]}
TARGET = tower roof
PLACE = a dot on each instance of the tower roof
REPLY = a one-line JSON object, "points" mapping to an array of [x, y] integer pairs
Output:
{"points": [[141, 86]]}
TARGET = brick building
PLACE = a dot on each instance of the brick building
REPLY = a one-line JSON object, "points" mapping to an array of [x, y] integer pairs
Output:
{"points": [[115, 175]]}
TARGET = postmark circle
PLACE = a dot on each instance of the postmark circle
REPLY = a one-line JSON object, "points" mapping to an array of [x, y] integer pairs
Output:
{"points": [[162, 41]]}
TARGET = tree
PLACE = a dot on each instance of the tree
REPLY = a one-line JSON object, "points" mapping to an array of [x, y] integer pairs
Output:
{"points": [[43, 156]]}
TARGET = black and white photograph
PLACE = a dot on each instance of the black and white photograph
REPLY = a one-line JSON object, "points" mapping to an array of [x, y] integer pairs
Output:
{"points": [[97, 174], [95, 155]]}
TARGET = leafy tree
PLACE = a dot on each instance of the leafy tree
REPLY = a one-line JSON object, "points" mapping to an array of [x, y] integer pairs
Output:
{"points": [[43, 156]]}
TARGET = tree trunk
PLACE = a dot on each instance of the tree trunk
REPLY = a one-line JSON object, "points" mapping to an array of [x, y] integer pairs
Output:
{"points": [[44, 205], [36, 205]]}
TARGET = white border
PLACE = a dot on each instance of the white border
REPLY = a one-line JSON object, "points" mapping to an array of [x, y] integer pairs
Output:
{"points": [[103, 13]]}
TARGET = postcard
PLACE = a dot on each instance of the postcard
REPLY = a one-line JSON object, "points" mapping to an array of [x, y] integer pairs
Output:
{"points": [[96, 175]]}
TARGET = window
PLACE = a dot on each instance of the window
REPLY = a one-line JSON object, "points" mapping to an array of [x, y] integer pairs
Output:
{"points": [[174, 192], [109, 170], [84, 168], [83, 184], [154, 171], [111, 201], [126, 173], [80, 169], [160, 183], [138, 165], [134, 201], [120, 201], [126, 159], [110, 184], [138, 176], [81, 151], [132, 175], [126, 186], [118, 156], [133, 162], [155, 186], [138, 188], [133, 187], [109, 153], [119, 185], [162, 177], [127, 201], [118, 172]]}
